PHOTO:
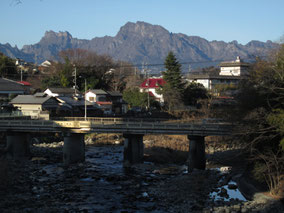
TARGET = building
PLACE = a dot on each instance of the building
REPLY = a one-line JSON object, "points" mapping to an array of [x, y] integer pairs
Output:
{"points": [[72, 104], [211, 81], [38, 106], [151, 85], [234, 68], [230, 74], [77, 106], [100, 97], [119, 106]]}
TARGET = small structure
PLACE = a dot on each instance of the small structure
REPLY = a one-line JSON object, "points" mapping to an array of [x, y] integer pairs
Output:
{"points": [[151, 85]]}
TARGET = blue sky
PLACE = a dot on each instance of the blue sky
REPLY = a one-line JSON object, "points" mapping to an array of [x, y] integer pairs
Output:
{"points": [[227, 20]]}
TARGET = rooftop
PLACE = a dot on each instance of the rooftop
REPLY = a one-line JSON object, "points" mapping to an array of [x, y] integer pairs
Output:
{"points": [[10, 85], [238, 62], [62, 90], [30, 99], [153, 83]]}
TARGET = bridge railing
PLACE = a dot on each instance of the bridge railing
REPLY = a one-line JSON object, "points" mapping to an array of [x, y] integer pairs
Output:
{"points": [[110, 119]]}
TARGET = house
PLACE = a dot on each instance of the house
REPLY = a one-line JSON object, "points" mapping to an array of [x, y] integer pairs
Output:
{"points": [[231, 73], [72, 104], [110, 102], [234, 68], [211, 81], [38, 106], [55, 92], [100, 97], [119, 106], [9, 88], [76, 107], [96, 95], [46, 63], [151, 85]]}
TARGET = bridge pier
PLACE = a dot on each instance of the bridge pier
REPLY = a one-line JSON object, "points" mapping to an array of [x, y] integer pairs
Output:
{"points": [[196, 156], [73, 148], [17, 146], [133, 149]]}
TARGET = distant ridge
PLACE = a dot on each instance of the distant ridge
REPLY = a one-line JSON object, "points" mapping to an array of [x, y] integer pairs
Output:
{"points": [[141, 42]]}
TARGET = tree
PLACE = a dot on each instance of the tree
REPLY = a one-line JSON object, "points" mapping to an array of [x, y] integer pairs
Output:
{"points": [[135, 98], [194, 92], [173, 90], [7, 67], [172, 75], [260, 109]]}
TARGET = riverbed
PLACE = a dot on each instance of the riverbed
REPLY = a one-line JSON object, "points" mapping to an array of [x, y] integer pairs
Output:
{"points": [[102, 184]]}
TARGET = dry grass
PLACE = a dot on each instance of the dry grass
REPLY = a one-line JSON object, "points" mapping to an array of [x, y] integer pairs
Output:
{"points": [[106, 139], [174, 142]]}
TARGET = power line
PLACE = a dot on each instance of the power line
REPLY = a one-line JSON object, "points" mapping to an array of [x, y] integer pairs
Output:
{"points": [[155, 64]]}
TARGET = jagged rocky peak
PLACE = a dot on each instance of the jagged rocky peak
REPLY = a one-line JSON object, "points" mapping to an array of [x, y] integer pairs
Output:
{"points": [[141, 29], [51, 34]]}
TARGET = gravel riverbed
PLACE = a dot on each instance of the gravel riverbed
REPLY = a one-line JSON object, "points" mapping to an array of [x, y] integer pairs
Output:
{"points": [[102, 184]]}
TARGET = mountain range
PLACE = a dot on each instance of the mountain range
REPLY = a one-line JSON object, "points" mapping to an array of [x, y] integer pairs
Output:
{"points": [[139, 43]]}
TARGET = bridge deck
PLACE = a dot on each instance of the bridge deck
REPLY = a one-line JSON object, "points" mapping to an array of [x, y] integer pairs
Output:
{"points": [[112, 125]]}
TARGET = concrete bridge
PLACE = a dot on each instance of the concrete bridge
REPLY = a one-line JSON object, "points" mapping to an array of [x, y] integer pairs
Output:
{"points": [[73, 129]]}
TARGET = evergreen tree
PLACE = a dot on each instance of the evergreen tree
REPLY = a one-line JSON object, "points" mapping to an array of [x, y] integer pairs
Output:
{"points": [[174, 88], [172, 75]]}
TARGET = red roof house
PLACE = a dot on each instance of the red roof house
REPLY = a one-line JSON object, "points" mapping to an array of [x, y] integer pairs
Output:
{"points": [[153, 83], [150, 85]]}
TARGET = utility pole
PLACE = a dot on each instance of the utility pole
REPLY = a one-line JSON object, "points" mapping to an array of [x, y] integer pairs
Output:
{"points": [[148, 81], [21, 74], [85, 99], [75, 79]]}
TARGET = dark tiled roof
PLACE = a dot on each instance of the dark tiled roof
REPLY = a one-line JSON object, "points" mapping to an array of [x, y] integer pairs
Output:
{"points": [[234, 64], [73, 102], [9, 85], [62, 90], [205, 76], [29, 99], [114, 93]]}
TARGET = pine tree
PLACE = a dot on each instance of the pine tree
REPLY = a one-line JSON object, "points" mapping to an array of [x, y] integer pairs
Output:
{"points": [[172, 75], [174, 88]]}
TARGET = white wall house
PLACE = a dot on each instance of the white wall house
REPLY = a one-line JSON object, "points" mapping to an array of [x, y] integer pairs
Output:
{"points": [[234, 68], [99, 97], [96, 95], [230, 73]]}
